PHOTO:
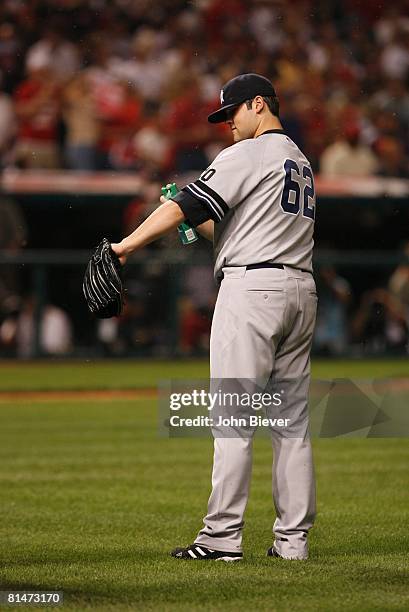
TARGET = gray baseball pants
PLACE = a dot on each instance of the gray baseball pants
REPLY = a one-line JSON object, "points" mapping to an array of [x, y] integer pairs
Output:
{"points": [[262, 327]]}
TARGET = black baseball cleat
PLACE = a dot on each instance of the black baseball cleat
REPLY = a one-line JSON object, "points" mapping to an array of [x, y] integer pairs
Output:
{"points": [[201, 553], [273, 553]]}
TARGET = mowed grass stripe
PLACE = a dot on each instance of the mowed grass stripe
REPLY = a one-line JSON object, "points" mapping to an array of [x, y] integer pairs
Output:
{"points": [[93, 499], [73, 375], [133, 374]]}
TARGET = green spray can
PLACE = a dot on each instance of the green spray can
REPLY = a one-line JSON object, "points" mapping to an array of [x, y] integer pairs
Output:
{"points": [[187, 234]]}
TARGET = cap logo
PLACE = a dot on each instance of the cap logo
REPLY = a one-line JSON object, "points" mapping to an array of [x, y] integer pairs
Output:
{"points": [[221, 97]]}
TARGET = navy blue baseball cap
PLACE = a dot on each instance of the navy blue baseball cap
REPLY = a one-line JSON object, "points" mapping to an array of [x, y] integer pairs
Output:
{"points": [[238, 90]]}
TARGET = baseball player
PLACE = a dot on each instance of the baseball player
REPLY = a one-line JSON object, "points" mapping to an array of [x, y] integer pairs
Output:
{"points": [[256, 202]]}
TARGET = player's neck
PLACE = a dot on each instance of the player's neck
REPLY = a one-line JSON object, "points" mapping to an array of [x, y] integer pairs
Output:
{"points": [[268, 123]]}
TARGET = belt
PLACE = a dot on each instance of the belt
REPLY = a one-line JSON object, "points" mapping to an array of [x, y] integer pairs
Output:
{"points": [[265, 264], [258, 266]]}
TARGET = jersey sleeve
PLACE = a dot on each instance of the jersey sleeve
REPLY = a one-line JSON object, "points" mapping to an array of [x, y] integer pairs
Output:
{"points": [[227, 181]]}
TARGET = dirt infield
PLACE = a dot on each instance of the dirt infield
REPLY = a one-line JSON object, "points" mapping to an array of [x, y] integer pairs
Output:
{"points": [[92, 395]]}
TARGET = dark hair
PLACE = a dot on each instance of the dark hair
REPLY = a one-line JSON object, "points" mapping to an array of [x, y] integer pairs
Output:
{"points": [[272, 103]]}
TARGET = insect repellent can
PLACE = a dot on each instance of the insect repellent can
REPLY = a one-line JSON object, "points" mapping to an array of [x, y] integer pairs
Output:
{"points": [[187, 234]]}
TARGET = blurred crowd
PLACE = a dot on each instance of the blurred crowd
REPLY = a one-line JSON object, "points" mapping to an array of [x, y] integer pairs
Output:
{"points": [[374, 322], [126, 85], [169, 307]]}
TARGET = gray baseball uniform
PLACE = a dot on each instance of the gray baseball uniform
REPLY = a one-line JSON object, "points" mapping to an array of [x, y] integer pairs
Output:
{"points": [[260, 192]]}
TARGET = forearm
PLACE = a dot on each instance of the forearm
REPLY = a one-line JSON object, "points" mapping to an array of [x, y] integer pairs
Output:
{"points": [[206, 230], [164, 219]]}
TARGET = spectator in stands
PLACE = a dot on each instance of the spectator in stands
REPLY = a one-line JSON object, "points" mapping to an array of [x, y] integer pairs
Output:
{"points": [[399, 283], [291, 121], [82, 123], [13, 233], [380, 323], [132, 333], [331, 332], [390, 21], [385, 123], [152, 146], [37, 101], [185, 126], [117, 107], [394, 98], [264, 25], [144, 70], [195, 308], [392, 161], [118, 31], [11, 50], [55, 333], [394, 61], [118, 126], [59, 54], [348, 156], [8, 128], [13, 229]]}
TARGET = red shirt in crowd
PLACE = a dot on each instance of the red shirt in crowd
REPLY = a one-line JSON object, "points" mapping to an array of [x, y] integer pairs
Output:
{"points": [[42, 123]]}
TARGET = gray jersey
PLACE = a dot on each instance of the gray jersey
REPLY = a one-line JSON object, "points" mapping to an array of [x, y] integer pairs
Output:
{"points": [[260, 192]]}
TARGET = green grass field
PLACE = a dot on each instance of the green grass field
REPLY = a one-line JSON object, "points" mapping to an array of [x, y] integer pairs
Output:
{"points": [[93, 500], [136, 374]]}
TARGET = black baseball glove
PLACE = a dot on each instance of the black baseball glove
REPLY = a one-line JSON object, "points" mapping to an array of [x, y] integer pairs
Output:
{"points": [[102, 284]]}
